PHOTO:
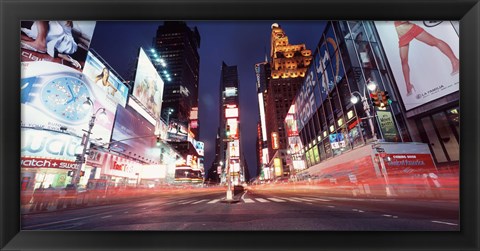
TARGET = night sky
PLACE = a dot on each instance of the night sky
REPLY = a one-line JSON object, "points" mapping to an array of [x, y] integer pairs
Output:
{"points": [[241, 43]]}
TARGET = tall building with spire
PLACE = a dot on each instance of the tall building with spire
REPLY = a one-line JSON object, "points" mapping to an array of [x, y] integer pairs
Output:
{"points": [[288, 65], [178, 45]]}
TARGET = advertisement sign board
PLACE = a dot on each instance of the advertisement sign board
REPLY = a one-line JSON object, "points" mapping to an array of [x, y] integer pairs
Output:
{"points": [[136, 135], [67, 42], [432, 73], [177, 130], [103, 76], [387, 125], [148, 87], [234, 149], [53, 96]]}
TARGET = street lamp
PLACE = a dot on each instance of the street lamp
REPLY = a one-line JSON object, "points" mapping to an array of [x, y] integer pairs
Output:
{"points": [[169, 112], [81, 159], [354, 99]]}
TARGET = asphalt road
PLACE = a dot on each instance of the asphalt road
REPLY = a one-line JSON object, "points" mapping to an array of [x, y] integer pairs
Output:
{"points": [[255, 210]]}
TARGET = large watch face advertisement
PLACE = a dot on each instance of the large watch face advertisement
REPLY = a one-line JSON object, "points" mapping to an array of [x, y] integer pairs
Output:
{"points": [[135, 136], [53, 97], [62, 42], [102, 75], [422, 72], [148, 87]]}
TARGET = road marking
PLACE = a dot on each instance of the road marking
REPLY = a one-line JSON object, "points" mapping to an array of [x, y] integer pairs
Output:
{"points": [[108, 216], [173, 202], [386, 215], [261, 200], [303, 199], [360, 211], [243, 195], [356, 210], [331, 206], [446, 223], [186, 202], [290, 199], [276, 200], [319, 199], [395, 217], [126, 212], [247, 200], [213, 201], [199, 201]]}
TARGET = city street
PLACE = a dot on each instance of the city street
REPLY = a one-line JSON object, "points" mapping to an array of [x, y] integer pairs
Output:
{"points": [[256, 209]]}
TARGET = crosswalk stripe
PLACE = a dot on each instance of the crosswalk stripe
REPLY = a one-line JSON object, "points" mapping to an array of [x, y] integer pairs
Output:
{"points": [[213, 201], [187, 202], [173, 202], [303, 199], [276, 200], [290, 199], [248, 200], [261, 200], [319, 199], [199, 201]]}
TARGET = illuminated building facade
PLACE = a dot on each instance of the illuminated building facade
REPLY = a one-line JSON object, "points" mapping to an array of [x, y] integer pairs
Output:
{"points": [[230, 154], [263, 76], [289, 63], [334, 131], [178, 45]]}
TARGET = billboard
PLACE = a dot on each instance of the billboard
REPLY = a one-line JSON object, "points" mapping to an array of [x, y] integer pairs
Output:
{"points": [[337, 140], [234, 147], [291, 123], [148, 85], [262, 116], [233, 124], [52, 97], [42, 148], [103, 76], [200, 147], [64, 42], [305, 101], [231, 112], [177, 130], [230, 92], [275, 140], [432, 73], [133, 132], [387, 125], [295, 144]]}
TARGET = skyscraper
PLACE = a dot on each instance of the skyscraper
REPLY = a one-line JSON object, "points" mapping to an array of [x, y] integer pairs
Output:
{"points": [[230, 153], [289, 62], [178, 45]]}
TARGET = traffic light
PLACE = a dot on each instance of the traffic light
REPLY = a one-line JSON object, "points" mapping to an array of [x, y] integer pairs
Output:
{"points": [[79, 158], [227, 131], [70, 173], [386, 98], [158, 140], [375, 99]]}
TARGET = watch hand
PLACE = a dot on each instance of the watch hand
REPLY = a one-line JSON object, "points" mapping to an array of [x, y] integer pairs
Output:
{"points": [[71, 92]]}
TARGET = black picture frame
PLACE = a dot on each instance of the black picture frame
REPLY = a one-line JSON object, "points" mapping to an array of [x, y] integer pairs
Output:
{"points": [[13, 11]]}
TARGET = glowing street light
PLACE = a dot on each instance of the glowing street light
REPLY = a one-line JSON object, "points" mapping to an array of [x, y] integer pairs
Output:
{"points": [[81, 158]]}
